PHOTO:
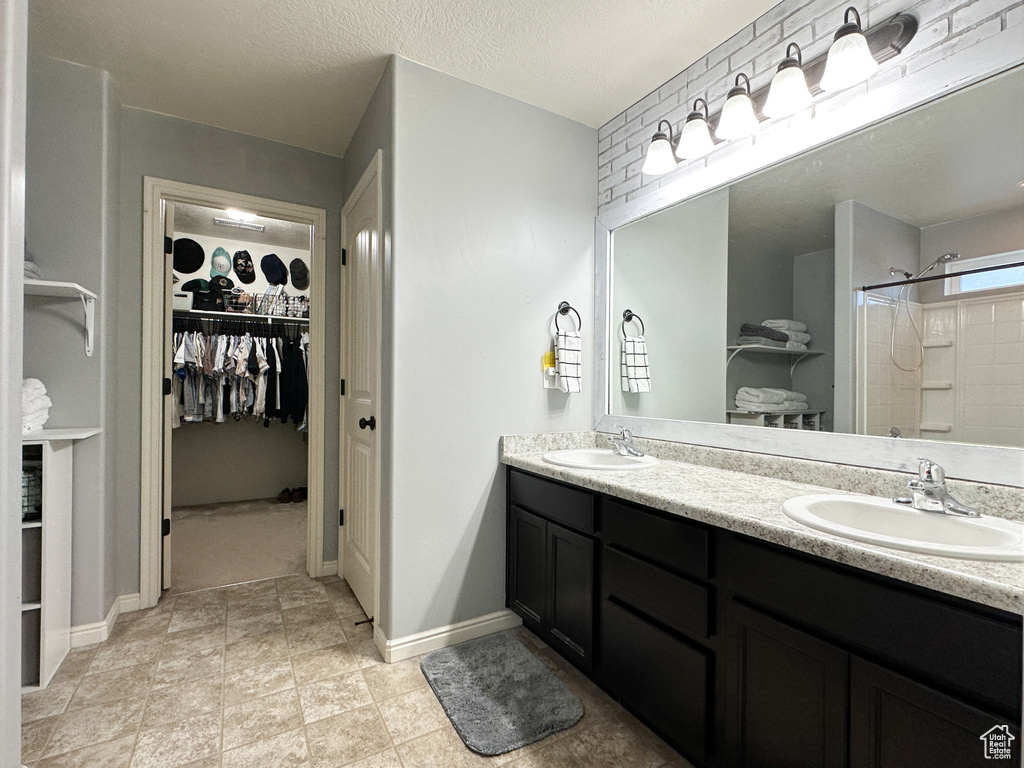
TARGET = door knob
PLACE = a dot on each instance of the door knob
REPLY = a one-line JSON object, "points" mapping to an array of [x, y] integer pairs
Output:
{"points": [[370, 422]]}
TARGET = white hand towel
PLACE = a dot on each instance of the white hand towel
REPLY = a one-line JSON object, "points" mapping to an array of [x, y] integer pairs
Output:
{"points": [[34, 404], [803, 338], [785, 325], [635, 371], [568, 361], [796, 346], [32, 387]]}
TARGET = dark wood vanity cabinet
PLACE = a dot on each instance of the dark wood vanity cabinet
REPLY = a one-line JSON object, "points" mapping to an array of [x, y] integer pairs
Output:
{"points": [[745, 654], [550, 573]]}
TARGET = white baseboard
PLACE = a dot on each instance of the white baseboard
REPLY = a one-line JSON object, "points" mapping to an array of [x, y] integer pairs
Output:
{"points": [[435, 639], [329, 568], [88, 634]]}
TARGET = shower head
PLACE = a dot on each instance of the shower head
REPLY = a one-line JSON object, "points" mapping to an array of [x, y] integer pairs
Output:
{"points": [[893, 271], [943, 259]]}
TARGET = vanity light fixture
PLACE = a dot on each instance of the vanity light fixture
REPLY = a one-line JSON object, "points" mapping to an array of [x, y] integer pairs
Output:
{"points": [[849, 59], [788, 93], [738, 119], [695, 137], [660, 156], [238, 224]]}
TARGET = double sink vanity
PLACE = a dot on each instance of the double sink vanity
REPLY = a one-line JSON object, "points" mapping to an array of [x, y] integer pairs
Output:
{"points": [[748, 636]]}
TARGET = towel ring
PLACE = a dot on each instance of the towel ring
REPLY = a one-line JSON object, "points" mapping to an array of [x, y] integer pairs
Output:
{"points": [[627, 316], [564, 309]]}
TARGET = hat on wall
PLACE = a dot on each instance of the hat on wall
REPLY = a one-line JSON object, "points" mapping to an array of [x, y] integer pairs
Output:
{"points": [[300, 274], [188, 255], [221, 283], [274, 269], [196, 285], [220, 263], [244, 269]]}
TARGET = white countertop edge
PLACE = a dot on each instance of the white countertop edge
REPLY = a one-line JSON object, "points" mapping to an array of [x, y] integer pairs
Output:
{"points": [[63, 433], [1002, 587]]}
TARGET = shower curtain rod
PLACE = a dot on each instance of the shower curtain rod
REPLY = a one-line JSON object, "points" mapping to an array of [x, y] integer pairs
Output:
{"points": [[915, 280]]}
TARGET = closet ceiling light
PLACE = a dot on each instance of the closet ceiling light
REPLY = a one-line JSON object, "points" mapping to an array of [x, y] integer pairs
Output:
{"points": [[738, 120], [849, 59], [788, 93], [695, 137], [238, 224], [237, 215], [660, 158]]}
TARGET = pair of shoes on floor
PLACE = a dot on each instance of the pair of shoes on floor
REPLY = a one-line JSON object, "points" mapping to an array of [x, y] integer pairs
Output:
{"points": [[295, 494]]}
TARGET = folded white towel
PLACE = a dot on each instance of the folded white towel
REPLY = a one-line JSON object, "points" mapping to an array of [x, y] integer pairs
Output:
{"points": [[796, 346], [34, 422], [32, 270], [568, 361], [760, 341], [788, 406], [803, 338], [33, 404], [635, 372], [33, 386], [785, 325], [768, 394]]}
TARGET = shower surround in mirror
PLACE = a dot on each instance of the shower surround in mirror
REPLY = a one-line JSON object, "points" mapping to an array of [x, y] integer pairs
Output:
{"points": [[799, 239]]}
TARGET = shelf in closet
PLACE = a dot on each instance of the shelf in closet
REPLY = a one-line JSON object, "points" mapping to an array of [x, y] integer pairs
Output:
{"points": [[936, 427], [56, 289], [32, 524], [735, 349], [239, 316], [938, 343], [937, 385], [59, 433], [26, 607]]}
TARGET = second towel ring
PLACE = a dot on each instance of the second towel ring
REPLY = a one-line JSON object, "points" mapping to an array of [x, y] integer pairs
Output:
{"points": [[564, 309], [628, 316]]}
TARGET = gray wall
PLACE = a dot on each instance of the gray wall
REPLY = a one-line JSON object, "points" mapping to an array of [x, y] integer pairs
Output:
{"points": [[670, 268], [376, 131], [814, 304], [984, 235], [165, 147], [494, 225], [13, 67], [70, 223], [868, 243], [237, 461]]}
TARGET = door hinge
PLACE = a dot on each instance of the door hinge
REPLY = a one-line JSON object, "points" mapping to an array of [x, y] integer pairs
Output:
{"points": [[166, 530], [341, 517], [342, 387], [343, 255], [167, 386]]}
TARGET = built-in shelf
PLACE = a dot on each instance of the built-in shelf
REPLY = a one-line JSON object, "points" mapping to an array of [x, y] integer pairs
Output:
{"points": [[68, 433], [32, 524], [937, 385], [25, 607], [936, 343], [799, 355], [56, 289], [804, 420], [936, 427], [244, 317]]}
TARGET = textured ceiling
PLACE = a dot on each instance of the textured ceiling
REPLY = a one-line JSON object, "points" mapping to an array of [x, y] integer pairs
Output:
{"points": [[302, 71], [199, 220]]}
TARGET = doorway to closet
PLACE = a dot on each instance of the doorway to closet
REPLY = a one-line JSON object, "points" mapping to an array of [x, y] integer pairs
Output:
{"points": [[233, 339]]}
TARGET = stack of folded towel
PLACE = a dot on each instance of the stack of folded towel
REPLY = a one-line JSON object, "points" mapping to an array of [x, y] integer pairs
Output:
{"points": [[783, 334], [32, 270], [35, 405], [770, 400]]}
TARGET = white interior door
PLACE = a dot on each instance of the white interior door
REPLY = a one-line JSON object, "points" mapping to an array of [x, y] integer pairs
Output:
{"points": [[168, 368], [359, 477]]}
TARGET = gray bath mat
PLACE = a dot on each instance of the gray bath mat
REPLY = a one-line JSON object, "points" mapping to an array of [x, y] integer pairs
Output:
{"points": [[498, 695]]}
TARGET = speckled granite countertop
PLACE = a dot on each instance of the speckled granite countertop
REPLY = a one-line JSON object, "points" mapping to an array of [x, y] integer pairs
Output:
{"points": [[752, 505]]}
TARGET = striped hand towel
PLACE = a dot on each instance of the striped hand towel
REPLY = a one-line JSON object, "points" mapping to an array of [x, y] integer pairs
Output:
{"points": [[568, 361], [636, 373]]}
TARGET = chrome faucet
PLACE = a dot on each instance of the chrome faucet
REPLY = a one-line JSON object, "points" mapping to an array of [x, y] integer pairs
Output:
{"points": [[929, 492], [623, 443]]}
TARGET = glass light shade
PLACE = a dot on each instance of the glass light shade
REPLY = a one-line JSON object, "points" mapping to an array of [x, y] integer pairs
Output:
{"points": [[849, 62], [695, 139], [659, 157], [788, 93], [738, 120]]}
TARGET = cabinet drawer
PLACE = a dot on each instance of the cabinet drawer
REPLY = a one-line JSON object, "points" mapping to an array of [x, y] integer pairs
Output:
{"points": [[672, 543], [672, 600], [661, 678], [569, 506]]}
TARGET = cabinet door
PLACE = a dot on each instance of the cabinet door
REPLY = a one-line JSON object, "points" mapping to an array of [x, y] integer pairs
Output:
{"points": [[898, 723], [786, 697], [571, 594], [661, 678], [527, 578]]}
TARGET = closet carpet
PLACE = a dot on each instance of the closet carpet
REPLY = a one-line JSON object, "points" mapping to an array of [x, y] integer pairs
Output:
{"points": [[276, 674], [214, 545]]}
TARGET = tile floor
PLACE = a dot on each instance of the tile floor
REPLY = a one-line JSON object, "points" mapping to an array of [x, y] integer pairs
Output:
{"points": [[276, 673]]}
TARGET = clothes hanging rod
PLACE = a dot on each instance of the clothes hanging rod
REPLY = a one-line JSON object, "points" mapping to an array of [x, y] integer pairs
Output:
{"points": [[915, 280], [240, 317]]}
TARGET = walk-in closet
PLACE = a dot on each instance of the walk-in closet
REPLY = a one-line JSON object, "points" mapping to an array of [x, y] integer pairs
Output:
{"points": [[238, 342]]}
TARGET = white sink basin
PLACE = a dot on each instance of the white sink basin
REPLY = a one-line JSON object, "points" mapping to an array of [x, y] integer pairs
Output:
{"points": [[597, 458], [881, 521]]}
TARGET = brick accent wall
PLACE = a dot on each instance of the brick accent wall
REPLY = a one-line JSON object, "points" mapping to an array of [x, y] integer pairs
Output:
{"points": [[957, 42]]}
